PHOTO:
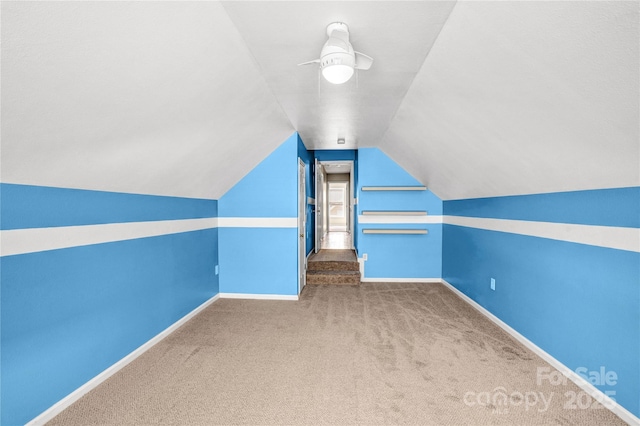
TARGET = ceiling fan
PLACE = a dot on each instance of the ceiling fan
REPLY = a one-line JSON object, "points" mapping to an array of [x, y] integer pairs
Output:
{"points": [[337, 59]]}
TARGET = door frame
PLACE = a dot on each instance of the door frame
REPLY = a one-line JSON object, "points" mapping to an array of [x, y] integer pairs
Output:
{"points": [[302, 225], [352, 199], [319, 182]]}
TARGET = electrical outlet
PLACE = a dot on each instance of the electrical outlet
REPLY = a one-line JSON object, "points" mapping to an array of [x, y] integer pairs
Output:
{"points": [[217, 270], [364, 256], [493, 284]]}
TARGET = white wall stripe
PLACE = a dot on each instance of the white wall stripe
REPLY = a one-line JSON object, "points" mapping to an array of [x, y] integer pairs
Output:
{"points": [[21, 241], [602, 236], [258, 222], [388, 219], [32, 240]]}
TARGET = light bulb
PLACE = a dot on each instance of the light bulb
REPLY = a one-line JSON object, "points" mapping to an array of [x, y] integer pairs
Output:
{"points": [[337, 74]]}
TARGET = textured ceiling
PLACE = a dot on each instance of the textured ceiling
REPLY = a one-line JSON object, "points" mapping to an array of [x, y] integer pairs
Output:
{"points": [[398, 35], [143, 97], [184, 98], [525, 97]]}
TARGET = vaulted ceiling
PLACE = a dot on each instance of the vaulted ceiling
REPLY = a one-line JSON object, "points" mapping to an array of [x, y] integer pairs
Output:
{"points": [[184, 98]]}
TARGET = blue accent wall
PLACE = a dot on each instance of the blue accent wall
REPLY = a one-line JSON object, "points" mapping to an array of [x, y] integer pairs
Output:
{"points": [[396, 256], [259, 260], [335, 154], [606, 207], [28, 206], [266, 191], [579, 303], [68, 314]]}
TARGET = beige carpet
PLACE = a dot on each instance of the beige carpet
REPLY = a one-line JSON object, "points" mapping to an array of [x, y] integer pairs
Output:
{"points": [[334, 256], [373, 354]]}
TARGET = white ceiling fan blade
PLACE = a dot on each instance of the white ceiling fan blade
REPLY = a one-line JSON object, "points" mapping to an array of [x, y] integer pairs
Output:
{"points": [[315, 61], [363, 62]]}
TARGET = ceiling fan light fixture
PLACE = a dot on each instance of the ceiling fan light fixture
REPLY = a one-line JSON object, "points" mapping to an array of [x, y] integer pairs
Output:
{"points": [[338, 61], [338, 73]]}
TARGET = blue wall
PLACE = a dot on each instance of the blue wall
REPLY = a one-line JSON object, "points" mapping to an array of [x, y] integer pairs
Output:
{"points": [[580, 303], [69, 314], [609, 207], [335, 154], [262, 259], [27, 206], [396, 256]]}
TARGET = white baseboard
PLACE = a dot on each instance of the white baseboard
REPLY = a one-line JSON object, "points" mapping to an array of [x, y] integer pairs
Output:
{"points": [[65, 402], [258, 296], [597, 394], [401, 280]]}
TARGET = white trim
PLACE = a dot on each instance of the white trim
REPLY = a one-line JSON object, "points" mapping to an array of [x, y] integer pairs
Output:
{"points": [[361, 262], [394, 188], [597, 394], [257, 296], [31, 240], [614, 237], [401, 280], [389, 219], [394, 213], [302, 225], [396, 231], [65, 402], [258, 222]]}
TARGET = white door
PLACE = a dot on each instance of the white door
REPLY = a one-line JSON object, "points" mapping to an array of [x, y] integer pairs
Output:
{"points": [[319, 182], [302, 224]]}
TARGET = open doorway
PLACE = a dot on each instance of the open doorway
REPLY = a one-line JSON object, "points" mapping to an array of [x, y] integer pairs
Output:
{"points": [[335, 211], [338, 206]]}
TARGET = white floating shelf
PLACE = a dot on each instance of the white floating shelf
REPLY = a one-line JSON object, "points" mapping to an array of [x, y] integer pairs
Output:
{"points": [[394, 188], [395, 231], [394, 213]]}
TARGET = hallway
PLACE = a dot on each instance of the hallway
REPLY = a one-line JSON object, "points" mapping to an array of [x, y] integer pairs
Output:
{"points": [[336, 240]]}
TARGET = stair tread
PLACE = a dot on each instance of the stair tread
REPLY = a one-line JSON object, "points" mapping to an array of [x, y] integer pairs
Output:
{"points": [[320, 272], [334, 255]]}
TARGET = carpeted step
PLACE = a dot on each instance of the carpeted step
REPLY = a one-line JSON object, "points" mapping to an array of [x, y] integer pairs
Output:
{"points": [[333, 265], [333, 277]]}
